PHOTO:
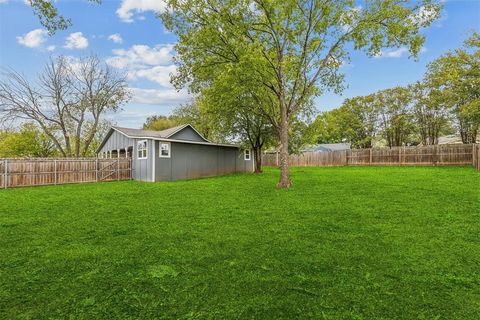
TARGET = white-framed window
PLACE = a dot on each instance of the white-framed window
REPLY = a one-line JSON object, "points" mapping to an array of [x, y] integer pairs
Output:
{"points": [[142, 149], [164, 150], [247, 155]]}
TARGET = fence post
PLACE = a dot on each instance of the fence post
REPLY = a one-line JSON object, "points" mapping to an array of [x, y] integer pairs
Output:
{"points": [[370, 156], [55, 171], [5, 173], [118, 169], [96, 169]]}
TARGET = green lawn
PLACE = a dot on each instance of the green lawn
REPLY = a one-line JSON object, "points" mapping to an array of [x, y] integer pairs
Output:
{"points": [[342, 243]]}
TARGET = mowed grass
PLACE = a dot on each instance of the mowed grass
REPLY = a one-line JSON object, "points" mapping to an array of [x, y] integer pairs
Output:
{"points": [[342, 243]]}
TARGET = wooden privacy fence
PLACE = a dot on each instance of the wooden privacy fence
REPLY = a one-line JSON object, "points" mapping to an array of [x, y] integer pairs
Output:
{"points": [[37, 172], [476, 156], [437, 155]]}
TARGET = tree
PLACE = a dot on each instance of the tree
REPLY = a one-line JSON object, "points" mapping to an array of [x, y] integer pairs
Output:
{"points": [[355, 121], [396, 122], [430, 115], [67, 103], [49, 16], [454, 81], [236, 109], [28, 141], [195, 113], [294, 50], [158, 123]]}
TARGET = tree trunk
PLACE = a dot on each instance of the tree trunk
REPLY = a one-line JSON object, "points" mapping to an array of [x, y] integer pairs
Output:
{"points": [[258, 159], [285, 181]]}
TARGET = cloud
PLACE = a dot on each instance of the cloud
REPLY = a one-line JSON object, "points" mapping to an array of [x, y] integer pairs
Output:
{"points": [[51, 48], [3, 1], [33, 39], [128, 8], [396, 53], [76, 40], [115, 38], [158, 74], [158, 96], [141, 55]]}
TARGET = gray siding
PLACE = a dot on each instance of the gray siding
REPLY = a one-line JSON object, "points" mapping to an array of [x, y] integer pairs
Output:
{"points": [[142, 168], [116, 141], [187, 134], [189, 161]]}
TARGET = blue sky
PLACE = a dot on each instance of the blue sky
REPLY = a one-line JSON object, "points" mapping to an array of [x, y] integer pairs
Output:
{"points": [[128, 36]]}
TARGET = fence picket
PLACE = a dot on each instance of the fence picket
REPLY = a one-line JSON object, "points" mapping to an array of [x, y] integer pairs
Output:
{"points": [[426, 155], [34, 172]]}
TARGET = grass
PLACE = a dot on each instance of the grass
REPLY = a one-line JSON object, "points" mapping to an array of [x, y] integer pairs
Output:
{"points": [[342, 243]]}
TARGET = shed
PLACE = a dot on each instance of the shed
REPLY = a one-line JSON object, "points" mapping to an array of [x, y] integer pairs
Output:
{"points": [[173, 154]]}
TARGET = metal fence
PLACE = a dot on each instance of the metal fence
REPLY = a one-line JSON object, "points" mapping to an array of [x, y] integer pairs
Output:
{"points": [[437, 155], [36, 172]]}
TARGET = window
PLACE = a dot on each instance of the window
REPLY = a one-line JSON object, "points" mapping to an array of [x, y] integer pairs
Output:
{"points": [[247, 154], [164, 149], [142, 149]]}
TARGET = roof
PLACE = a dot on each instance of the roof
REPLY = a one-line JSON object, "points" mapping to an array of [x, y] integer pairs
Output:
{"points": [[326, 147], [167, 133], [164, 135]]}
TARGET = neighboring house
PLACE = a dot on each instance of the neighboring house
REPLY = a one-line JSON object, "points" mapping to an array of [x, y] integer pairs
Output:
{"points": [[326, 147], [173, 154]]}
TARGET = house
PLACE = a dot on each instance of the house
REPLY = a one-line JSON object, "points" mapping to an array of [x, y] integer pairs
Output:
{"points": [[173, 154], [326, 147]]}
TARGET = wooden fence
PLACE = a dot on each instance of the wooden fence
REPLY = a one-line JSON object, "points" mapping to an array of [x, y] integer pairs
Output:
{"points": [[476, 156], [36, 172], [437, 155]]}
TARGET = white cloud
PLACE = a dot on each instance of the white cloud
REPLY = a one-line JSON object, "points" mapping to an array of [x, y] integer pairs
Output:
{"points": [[153, 64], [76, 40], [158, 74], [115, 38], [51, 48], [129, 7], [396, 53], [141, 55], [3, 1], [33, 39], [158, 96]]}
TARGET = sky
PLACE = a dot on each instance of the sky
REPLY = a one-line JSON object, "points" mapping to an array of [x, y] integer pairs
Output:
{"points": [[128, 36]]}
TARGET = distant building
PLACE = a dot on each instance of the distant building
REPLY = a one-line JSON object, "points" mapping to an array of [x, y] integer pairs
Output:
{"points": [[326, 147]]}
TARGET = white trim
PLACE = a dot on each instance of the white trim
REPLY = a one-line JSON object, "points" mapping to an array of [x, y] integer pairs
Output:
{"points": [[180, 141], [146, 148], [153, 161], [160, 149], [245, 155]]}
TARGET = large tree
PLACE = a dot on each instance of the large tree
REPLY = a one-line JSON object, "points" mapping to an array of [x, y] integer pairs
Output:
{"points": [[395, 120], [293, 49], [27, 141], [454, 81], [68, 102], [430, 115]]}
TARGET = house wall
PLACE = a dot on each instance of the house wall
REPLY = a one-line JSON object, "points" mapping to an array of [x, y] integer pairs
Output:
{"points": [[142, 169], [188, 161], [116, 141], [187, 134]]}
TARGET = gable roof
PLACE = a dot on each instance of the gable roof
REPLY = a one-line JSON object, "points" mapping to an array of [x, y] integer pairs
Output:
{"points": [[167, 133], [326, 147], [159, 135]]}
